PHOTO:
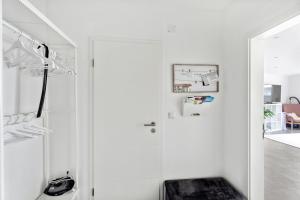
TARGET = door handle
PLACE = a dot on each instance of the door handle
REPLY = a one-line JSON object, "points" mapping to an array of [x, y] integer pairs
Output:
{"points": [[151, 124]]}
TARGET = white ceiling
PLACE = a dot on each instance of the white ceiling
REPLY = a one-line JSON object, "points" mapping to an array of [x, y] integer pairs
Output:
{"points": [[282, 53], [214, 5]]}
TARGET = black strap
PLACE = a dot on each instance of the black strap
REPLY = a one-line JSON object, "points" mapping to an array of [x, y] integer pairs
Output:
{"points": [[44, 88]]}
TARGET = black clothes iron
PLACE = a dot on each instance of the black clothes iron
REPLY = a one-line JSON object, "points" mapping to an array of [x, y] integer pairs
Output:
{"points": [[59, 186]]}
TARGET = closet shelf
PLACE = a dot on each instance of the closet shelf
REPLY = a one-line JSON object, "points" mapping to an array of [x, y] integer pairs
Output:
{"points": [[23, 18], [23, 126], [13, 139], [29, 18], [19, 118], [23, 132]]}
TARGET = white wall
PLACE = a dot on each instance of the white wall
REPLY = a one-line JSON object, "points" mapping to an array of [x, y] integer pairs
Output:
{"points": [[281, 60], [80, 24], [192, 147], [144, 19], [293, 85], [275, 79], [243, 20], [282, 52]]}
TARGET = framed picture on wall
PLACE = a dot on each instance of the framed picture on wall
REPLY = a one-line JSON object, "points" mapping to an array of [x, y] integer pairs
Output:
{"points": [[195, 78]]}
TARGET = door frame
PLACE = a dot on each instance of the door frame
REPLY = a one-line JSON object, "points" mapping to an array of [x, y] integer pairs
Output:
{"points": [[160, 119], [1, 123], [282, 24]]}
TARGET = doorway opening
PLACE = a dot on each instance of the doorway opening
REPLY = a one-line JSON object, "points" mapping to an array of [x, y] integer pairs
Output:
{"points": [[274, 122]]}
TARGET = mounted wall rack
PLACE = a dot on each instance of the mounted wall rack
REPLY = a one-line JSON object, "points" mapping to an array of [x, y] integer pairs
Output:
{"points": [[26, 23]]}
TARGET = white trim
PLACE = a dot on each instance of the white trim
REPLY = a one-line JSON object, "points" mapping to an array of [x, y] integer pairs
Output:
{"points": [[267, 27], [266, 31], [77, 146], [90, 119], [249, 118], [46, 20], [1, 123], [282, 27]]}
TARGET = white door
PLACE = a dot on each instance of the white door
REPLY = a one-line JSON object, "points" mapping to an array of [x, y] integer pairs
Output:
{"points": [[126, 100], [256, 119]]}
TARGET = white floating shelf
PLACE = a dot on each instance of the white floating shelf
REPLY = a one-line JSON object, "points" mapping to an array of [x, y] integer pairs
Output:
{"points": [[34, 22]]}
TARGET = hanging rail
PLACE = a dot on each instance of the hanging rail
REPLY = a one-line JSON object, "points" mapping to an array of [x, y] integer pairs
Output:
{"points": [[12, 27], [55, 65], [47, 58]]}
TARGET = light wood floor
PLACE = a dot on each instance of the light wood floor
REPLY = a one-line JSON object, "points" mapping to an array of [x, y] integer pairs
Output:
{"points": [[282, 171]]}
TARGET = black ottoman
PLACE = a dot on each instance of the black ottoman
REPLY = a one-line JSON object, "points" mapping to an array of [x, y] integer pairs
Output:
{"points": [[201, 189]]}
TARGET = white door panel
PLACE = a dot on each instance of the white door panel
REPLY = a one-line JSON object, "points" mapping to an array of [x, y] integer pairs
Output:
{"points": [[127, 155], [128, 163], [136, 190]]}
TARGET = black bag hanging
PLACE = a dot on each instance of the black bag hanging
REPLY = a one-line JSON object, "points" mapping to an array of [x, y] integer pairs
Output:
{"points": [[45, 78]]}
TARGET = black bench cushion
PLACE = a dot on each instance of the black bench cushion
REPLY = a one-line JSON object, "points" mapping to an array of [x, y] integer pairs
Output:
{"points": [[201, 189]]}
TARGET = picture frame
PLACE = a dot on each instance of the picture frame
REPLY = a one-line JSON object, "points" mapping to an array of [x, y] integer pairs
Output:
{"points": [[188, 78]]}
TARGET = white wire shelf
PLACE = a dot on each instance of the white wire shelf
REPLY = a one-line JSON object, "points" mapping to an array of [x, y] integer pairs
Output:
{"points": [[23, 126]]}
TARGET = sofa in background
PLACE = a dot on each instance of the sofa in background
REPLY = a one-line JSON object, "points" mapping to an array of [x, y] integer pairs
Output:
{"points": [[291, 119]]}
